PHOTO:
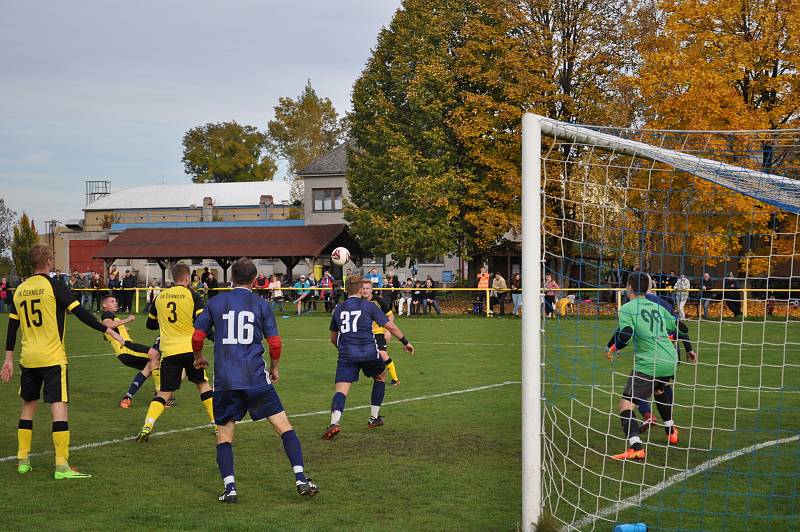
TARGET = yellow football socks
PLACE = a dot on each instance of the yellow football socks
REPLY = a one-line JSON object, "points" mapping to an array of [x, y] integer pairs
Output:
{"points": [[392, 371], [154, 412], [61, 443], [208, 403], [24, 437]]}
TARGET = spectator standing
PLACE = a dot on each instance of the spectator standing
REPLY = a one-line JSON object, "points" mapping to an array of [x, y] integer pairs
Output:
{"points": [[97, 285], [261, 284], [483, 279], [681, 292], [114, 283], [500, 286], [430, 298], [337, 291], [389, 295], [3, 293], [154, 288], [75, 284], [375, 277], [87, 296], [128, 291], [669, 284], [733, 297], [394, 294], [326, 294], [275, 292], [211, 285], [204, 275], [196, 284], [416, 298], [313, 295], [516, 292], [405, 297], [706, 294], [551, 289]]}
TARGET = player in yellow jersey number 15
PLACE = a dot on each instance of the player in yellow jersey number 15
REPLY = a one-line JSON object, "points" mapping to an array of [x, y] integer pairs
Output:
{"points": [[39, 310]]}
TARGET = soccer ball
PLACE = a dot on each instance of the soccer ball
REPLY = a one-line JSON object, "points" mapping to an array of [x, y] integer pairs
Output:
{"points": [[340, 256]]}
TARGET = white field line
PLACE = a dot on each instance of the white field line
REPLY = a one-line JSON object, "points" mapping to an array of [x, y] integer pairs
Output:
{"points": [[610, 389], [291, 416], [635, 500]]}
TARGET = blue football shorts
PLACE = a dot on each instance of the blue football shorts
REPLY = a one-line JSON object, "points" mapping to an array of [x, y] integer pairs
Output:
{"points": [[348, 370], [232, 405]]}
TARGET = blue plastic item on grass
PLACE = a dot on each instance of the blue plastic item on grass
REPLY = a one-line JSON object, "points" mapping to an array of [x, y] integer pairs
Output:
{"points": [[631, 527]]}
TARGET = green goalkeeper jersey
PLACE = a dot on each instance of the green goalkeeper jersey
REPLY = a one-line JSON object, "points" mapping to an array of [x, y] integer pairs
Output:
{"points": [[651, 324]]}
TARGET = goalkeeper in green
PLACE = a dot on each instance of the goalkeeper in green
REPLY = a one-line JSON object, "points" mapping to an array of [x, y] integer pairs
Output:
{"points": [[648, 326]]}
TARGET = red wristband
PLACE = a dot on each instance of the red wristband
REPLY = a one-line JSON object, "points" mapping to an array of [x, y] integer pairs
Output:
{"points": [[274, 347], [197, 340]]}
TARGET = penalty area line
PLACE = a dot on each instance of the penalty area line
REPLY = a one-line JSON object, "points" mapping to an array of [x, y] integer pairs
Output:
{"points": [[93, 445], [636, 500]]}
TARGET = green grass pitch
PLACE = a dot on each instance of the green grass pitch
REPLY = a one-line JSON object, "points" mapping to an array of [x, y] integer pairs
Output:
{"points": [[441, 462], [450, 462]]}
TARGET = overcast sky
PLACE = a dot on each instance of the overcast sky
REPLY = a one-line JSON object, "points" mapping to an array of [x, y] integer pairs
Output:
{"points": [[105, 89]]}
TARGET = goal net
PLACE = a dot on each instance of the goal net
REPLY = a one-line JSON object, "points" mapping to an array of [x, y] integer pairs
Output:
{"points": [[675, 205]]}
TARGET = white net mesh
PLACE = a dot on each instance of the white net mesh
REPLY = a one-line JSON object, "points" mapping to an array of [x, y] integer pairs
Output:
{"points": [[673, 204]]}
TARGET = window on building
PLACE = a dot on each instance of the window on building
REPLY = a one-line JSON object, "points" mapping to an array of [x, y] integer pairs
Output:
{"points": [[433, 261], [327, 199]]}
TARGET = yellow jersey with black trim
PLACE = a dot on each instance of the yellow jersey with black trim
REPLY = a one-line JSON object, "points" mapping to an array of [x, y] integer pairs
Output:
{"points": [[386, 309], [41, 305], [119, 349], [175, 309]]}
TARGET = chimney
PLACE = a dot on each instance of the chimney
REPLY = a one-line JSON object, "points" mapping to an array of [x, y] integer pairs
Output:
{"points": [[208, 209], [264, 203]]}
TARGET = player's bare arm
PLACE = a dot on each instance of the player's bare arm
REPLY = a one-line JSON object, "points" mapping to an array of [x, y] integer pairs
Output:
{"points": [[11, 339], [115, 335], [113, 324], [8, 367], [275, 347], [198, 338]]}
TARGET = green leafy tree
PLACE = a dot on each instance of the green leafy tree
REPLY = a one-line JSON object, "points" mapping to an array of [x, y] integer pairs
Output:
{"points": [[7, 217], [436, 113], [407, 172], [227, 152], [6, 266], [25, 236], [559, 58], [304, 129]]}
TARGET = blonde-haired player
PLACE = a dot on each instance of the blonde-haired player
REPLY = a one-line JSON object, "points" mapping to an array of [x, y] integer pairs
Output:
{"points": [[39, 309], [382, 336]]}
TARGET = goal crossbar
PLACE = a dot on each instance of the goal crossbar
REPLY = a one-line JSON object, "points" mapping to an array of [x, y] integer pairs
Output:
{"points": [[779, 191]]}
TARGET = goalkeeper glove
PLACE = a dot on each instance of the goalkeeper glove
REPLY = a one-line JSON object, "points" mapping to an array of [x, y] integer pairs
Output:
{"points": [[610, 353]]}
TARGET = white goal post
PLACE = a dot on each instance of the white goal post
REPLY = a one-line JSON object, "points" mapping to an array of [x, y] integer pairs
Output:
{"points": [[778, 191]]}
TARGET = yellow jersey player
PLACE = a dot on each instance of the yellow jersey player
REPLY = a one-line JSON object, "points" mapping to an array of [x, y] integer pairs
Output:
{"points": [[172, 314], [133, 355], [39, 309], [382, 336]]}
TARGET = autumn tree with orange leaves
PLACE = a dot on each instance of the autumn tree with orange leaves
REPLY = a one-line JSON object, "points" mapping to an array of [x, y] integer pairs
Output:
{"points": [[726, 65]]}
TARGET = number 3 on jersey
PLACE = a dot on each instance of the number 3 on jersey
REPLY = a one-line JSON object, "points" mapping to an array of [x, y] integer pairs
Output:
{"points": [[239, 327], [347, 319]]}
